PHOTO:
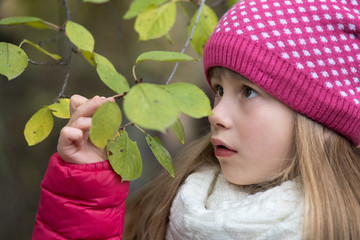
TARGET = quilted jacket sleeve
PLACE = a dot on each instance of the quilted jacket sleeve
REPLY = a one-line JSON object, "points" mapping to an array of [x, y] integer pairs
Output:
{"points": [[80, 202]]}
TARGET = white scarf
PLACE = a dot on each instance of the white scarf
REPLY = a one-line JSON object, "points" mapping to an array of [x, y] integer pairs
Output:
{"points": [[207, 207]]}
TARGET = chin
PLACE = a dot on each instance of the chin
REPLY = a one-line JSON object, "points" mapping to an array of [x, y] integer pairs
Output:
{"points": [[237, 178]]}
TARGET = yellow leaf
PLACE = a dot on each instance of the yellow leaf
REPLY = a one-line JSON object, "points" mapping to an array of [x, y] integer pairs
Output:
{"points": [[52, 55], [61, 108], [39, 126], [155, 22]]}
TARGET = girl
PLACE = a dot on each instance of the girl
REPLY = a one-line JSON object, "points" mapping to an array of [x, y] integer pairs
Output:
{"points": [[281, 161]]}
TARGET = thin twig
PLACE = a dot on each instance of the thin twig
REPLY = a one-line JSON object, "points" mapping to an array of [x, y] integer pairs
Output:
{"points": [[76, 11], [217, 3], [126, 125], [116, 19], [67, 9], [188, 40], [63, 89], [47, 63], [51, 40]]}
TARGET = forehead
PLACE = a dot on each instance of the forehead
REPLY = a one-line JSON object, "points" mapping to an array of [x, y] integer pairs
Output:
{"points": [[218, 73]]}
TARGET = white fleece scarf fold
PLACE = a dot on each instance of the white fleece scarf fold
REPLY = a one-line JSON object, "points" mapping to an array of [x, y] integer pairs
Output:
{"points": [[207, 207]]}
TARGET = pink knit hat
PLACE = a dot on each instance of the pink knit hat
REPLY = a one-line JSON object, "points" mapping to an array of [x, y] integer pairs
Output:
{"points": [[306, 53]]}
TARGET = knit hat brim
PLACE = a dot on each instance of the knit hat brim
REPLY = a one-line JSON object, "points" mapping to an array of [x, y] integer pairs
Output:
{"points": [[284, 81]]}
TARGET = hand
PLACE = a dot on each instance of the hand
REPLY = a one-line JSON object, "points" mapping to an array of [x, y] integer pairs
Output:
{"points": [[74, 145]]}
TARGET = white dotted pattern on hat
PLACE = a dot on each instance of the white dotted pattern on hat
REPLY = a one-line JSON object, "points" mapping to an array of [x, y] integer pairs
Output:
{"points": [[303, 32]]}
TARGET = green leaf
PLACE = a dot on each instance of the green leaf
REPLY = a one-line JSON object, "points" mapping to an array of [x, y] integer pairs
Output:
{"points": [[53, 56], [108, 74], [155, 22], [164, 56], [114, 80], [161, 154], [190, 99], [13, 60], [150, 106], [101, 60], [105, 123], [30, 21], [39, 126], [80, 36], [205, 26], [61, 108], [96, 1], [137, 6], [178, 129], [124, 157], [89, 56]]}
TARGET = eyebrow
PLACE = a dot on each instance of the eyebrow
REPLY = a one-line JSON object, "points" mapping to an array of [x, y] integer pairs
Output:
{"points": [[241, 78], [246, 81]]}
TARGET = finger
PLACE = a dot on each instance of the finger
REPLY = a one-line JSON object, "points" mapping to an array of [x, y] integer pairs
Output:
{"points": [[82, 123], [69, 136], [87, 109], [76, 101]]}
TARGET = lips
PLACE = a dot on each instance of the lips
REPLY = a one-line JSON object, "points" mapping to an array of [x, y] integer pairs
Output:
{"points": [[221, 149]]}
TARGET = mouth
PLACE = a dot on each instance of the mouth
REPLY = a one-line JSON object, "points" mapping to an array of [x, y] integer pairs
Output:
{"points": [[221, 149]]}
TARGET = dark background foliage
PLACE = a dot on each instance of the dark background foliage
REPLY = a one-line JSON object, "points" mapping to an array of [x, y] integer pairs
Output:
{"points": [[22, 167]]}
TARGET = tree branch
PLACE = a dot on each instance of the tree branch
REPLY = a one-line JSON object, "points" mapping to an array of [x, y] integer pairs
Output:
{"points": [[47, 63], [116, 18], [68, 61], [217, 3], [50, 40], [188, 40], [76, 11], [67, 9]]}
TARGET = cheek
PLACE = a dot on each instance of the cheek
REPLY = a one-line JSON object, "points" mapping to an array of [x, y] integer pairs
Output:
{"points": [[269, 134], [278, 134]]}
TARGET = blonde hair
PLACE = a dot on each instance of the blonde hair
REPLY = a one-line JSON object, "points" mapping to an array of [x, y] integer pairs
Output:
{"points": [[329, 167], [327, 164], [148, 211]]}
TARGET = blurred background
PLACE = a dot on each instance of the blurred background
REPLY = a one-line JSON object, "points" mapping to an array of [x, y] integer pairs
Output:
{"points": [[22, 167]]}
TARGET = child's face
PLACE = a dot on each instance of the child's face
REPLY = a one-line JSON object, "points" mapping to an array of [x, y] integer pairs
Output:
{"points": [[251, 130]]}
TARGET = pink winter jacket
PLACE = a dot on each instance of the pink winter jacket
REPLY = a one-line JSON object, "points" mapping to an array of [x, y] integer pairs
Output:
{"points": [[80, 202]]}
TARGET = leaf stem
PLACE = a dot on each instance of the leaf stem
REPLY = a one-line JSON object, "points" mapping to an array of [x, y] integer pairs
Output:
{"points": [[134, 74], [133, 124], [53, 26], [188, 40], [142, 130], [126, 125], [21, 43], [119, 96]]}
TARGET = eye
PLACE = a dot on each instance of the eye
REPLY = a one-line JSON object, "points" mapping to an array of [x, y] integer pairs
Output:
{"points": [[219, 91], [249, 92]]}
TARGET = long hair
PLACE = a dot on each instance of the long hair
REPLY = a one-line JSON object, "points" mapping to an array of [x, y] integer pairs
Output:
{"points": [[148, 211], [327, 164], [329, 167]]}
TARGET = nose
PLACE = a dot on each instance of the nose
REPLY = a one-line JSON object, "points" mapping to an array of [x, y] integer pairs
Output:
{"points": [[221, 117]]}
